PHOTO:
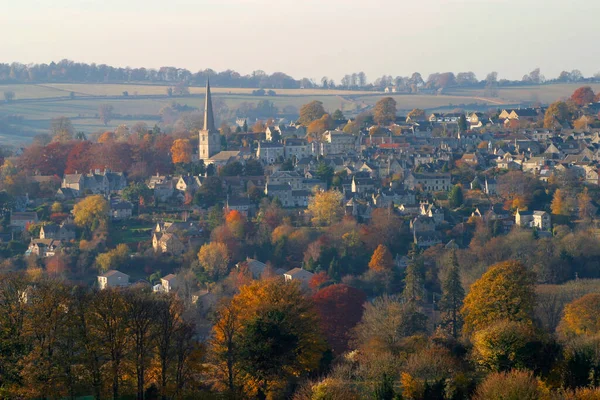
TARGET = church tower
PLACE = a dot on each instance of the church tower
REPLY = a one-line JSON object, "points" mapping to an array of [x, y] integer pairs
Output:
{"points": [[210, 139]]}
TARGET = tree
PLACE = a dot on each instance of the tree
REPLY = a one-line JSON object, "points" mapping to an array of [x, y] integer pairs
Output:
{"points": [[181, 151], [505, 291], [61, 129], [416, 114], [384, 111], [9, 95], [586, 209], [556, 114], [325, 172], [310, 112], [381, 260], [462, 123], [414, 281], [90, 210], [338, 115], [455, 198], [113, 259], [253, 168], [386, 321], [105, 113], [513, 385], [325, 208], [583, 96], [581, 317], [320, 125], [453, 295], [214, 257], [559, 203], [272, 335]]}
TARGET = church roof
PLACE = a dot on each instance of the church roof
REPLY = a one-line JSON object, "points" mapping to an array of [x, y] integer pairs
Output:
{"points": [[209, 118]]}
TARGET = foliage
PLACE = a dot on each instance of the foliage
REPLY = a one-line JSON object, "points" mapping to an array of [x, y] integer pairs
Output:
{"points": [[181, 151], [214, 257], [381, 260], [311, 112], [340, 309], [505, 291], [583, 96], [582, 316], [325, 207], [453, 295], [513, 385], [384, 111], [455, 198], [90, 210]]}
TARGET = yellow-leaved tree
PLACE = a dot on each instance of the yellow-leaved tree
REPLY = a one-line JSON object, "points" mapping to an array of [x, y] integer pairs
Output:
{"points": [[265, 336], [214, 257], [582, 316], [504, 292], [91, 210], [325, 207]]}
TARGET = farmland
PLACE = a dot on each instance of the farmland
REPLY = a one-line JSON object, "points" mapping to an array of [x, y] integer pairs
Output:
{"points": [[36, 105]]}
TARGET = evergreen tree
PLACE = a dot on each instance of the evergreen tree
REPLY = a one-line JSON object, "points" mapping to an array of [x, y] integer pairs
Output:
{"points": [[413, 282], [455, 199], [462, 123], [452, 298]]}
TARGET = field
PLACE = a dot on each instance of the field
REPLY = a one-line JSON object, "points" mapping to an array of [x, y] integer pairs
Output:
{"points": [[38, 104]]}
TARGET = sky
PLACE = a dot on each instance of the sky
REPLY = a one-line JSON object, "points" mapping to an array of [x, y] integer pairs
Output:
{"points": [[309, 38]]}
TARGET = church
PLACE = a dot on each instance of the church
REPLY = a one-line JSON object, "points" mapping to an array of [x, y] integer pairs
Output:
{"points": [[209, 150]]}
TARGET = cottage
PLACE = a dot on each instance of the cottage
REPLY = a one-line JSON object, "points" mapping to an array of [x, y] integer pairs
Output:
{"points": [[113, 279], [298, 274], [167, 284]]}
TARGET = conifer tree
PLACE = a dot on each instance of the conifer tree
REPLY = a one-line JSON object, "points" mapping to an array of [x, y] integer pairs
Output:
{"points": [[452, 298], [413, 282]]}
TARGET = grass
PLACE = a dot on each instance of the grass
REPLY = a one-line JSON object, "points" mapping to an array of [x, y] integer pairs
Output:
{"points": [[40, 103]]}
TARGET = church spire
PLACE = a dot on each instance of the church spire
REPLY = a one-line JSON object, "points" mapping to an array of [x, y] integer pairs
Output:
{"points": [[209, 118]]}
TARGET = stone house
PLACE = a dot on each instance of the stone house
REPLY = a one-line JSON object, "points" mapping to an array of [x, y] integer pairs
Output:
{"points": [[113, 279]]}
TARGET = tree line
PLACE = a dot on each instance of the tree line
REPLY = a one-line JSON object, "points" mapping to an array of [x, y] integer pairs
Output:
{"points": [[70, 71]]}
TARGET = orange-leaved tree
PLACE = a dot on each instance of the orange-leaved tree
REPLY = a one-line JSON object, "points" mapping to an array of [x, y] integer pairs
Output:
{"points": [[505, 291], [181, 151], [268, 334], [381, 260]]}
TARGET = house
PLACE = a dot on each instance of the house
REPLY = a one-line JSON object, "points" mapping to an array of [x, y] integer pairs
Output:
{"points": [[428, 181], [113, 279], [255, 267], [96, 182], [167, 284], [299, 148], [243, 205], [298, 274], [121, 209], [167, 243], [533, 219], [362, 185], [336, 142], [59, 232], [43, 247], [188, 183], [21, 220], [270, 153]]}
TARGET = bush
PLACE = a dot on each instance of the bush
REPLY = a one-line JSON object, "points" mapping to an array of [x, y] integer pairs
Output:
{"points": [[513, 385]]}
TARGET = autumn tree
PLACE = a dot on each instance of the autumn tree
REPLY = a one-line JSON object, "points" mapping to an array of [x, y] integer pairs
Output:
{"points": [[384, 111], [340, 309], [181, 151], [505, 291], [453, 295], [416, 114], [381, 260], [113, 259], [325, 208], [385, 323], [214, 257], [581, 317], [583, 96], [320, 125], [587, 210], [276, 337], [105, 113], [61, 129], [90, 211], [513, 385], [556, 114], [106, 137], [558, 205], [311, 112]]}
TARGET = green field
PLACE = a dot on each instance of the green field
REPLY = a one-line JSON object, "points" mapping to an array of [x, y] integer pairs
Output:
{"points": [[38, 104]]}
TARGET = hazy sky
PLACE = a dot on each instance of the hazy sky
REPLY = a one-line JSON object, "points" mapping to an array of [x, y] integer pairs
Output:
{"points": [[309, 38]]}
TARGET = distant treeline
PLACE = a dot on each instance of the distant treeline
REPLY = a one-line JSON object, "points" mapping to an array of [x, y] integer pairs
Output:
{"points": [[67, 71]]}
